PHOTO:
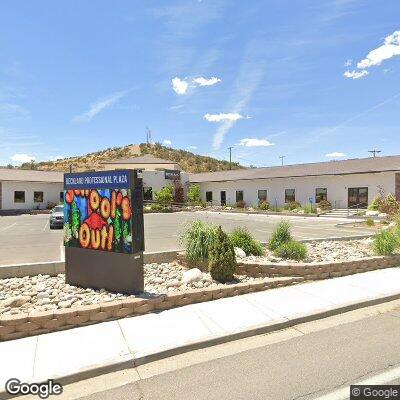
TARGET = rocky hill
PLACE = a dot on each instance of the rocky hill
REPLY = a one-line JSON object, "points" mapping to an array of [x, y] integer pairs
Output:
{"points": [[188, 161]]}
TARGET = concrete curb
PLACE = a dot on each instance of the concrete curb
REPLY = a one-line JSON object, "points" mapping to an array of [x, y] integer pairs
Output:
{"points": [[130, 361]]}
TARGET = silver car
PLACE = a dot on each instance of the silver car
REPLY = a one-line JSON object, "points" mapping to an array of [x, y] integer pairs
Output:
{"points": [[57, 217]]}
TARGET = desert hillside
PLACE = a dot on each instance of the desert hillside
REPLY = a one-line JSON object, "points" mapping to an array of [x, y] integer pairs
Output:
{"points": [[188, 161]]}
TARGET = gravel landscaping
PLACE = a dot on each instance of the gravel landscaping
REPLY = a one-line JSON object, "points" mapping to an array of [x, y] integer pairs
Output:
{"points": [[43, 292], [344, 250]]}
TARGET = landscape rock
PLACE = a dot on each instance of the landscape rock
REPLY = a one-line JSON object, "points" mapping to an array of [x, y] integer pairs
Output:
{"points": [[16, 301], [239, 252], [192, 275]]}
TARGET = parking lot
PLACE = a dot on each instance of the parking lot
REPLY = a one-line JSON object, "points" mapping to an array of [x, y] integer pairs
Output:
{"points": [[28, 238]]}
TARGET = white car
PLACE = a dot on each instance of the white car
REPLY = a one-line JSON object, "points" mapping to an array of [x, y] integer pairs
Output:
{"points": [[57, 217]]}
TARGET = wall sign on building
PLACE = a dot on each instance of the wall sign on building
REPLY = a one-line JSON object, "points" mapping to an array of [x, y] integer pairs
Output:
{"points": [[103, 230], [172, 174]]}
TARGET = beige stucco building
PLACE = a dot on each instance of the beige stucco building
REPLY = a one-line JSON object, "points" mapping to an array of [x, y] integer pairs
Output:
{"points": [[346, 183]]}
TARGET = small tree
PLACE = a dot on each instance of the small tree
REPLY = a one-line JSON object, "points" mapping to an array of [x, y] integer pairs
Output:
{"points": [[194, 194], [179, 196], [222, 260], [164, 196]]}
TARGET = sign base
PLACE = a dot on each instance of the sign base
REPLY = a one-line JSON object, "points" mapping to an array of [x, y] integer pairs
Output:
{"points": [[116, 272]]}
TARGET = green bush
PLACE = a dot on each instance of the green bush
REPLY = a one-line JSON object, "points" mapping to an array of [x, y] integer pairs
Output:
{"points": [[291, 250], [197, 239], [280, 235], [222, 260], [240, 204], [275, 208], [325, 205], [309, 209], [264, 205], [376, 203], [370, 222], [385, 243], [292, 205], [241, 237], [164, 195], [194, 195]]}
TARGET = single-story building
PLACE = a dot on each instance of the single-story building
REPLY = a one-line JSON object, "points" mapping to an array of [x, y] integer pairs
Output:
{"points": [[156, 172], [346, 183], [22, 189]]}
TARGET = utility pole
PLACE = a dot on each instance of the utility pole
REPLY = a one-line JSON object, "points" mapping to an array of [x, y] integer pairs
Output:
{"points": [[230, 157], [374, 152], [148, 135], [282, 157]]}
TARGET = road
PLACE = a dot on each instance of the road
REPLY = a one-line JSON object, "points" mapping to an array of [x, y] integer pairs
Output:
{"points": [[316, 360], [28, 238]]}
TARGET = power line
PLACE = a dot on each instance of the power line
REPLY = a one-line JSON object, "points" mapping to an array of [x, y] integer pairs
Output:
{"points": [[374, 152]]}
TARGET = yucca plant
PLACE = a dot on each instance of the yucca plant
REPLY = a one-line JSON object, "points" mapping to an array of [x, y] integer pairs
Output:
{"points": [[197, 238], [280, 235]]}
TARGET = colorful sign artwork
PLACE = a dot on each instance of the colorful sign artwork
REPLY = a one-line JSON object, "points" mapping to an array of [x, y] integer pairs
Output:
{"points": [[98, 219]]}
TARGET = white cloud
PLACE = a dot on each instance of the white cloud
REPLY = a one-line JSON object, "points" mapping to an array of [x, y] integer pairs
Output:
{"points": [[249, 77], [348, 63], [201, 81], [254, 142], [167, 142], [180, 86], [335, 154], [356, 74], [191, 148], [22, 158], [222, 117], [389, 49], [100, 105]]}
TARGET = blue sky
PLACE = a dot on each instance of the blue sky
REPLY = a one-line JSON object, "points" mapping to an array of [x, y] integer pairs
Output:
{"points": [[302, 79]]}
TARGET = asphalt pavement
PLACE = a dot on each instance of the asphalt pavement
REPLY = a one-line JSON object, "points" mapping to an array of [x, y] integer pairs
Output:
{"points": [[28, 238], [317, 360]]}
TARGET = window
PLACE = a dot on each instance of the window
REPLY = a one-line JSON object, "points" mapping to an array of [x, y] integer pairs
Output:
{"points": [[321, 194], [38, 197], [208, 197], [61, 196], [239, 195], [262, 196], [290, 195], [148, 193], [223, 198], [19, 196]]}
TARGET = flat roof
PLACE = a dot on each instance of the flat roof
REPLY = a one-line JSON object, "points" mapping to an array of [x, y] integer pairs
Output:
{"points": [[30, 175], [145, 159], [337, 167]]}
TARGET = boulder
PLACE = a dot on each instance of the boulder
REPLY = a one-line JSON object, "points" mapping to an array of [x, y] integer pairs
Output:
{"points": [[382, 215], [239, 252], [16, 301], [192, 275]]}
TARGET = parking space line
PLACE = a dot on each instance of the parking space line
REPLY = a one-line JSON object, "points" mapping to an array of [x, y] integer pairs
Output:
{"points": [[9, 226], [45, 226]]}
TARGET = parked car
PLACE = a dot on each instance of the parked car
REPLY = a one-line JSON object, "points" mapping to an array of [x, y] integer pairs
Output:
{"points": [[57, 217]]}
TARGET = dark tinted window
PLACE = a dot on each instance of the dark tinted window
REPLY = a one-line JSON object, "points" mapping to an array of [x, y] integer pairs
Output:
{"points": [[19, 196], [290, 195], [38, 197]]}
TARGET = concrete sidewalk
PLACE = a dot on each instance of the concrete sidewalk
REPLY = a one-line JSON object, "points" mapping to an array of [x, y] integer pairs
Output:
{"points": [[77, 353]]}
